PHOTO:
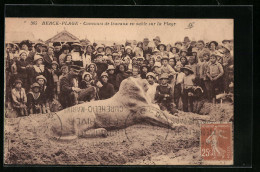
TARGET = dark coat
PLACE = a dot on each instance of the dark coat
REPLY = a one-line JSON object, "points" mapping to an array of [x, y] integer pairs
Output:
{"points": [[106, 91], [32, 102], [161, 91], [119, 78], [149, 50], [47, 60], [112, 79], [66, 84]]}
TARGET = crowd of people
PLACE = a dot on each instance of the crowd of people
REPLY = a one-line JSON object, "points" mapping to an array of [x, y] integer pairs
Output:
{"points": [[72, 73]]}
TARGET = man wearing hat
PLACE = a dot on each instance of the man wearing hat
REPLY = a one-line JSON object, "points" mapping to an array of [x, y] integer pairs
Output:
{"points": [[106, 90], [57, 50], [156, 41], [146, 48], [71, 94], [201, 50], [19, 98], [188, 84], [164, 95]]}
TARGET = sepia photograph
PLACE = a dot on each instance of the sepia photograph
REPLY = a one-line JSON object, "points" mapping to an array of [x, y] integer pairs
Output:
{"points": [[118, 91]]}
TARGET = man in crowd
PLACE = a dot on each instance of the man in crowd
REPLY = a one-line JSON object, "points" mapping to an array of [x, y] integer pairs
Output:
{"points": [[70, 91]]}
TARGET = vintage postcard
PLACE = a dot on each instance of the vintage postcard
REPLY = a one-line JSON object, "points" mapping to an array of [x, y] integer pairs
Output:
{"points": [[116, 91]]}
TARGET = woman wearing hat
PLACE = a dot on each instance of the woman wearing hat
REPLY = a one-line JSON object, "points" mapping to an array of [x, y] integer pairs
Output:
{"points": [[162, 49], [25, 45], [106, 90], [19, 98], [34, 98], [128, 52], [86, 81], [100, 49], [38, 69], [173, 51], [22, 69], [108, 50]]}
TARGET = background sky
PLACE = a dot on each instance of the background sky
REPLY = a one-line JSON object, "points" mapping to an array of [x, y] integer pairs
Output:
{"points": [[205, 29]]}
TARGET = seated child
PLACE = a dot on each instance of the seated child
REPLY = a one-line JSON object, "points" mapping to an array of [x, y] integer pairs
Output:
{"points": [[19, 98], [86, 80], [34, 97], [164, 95]]}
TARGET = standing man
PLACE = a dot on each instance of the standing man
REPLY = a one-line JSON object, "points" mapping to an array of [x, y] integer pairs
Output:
{"points": [[57, 50], [146, 48], [156, 42]]}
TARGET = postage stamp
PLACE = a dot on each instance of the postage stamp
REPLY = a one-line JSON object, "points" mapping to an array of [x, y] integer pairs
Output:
{"points": [[216, 142]]}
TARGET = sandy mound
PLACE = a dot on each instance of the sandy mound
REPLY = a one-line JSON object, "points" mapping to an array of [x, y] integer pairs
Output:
{"points": [[27, 142]]}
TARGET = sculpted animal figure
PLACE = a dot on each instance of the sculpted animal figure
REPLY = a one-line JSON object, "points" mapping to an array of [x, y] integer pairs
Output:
{"points": [[120, 111]]}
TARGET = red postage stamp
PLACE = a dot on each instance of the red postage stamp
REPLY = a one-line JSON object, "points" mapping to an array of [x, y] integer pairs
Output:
{"points": [[216, 142]]}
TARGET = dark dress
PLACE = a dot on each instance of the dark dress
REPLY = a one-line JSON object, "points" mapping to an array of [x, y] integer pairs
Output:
{"points": [[22, 71], [33, 101], [106, 91]]}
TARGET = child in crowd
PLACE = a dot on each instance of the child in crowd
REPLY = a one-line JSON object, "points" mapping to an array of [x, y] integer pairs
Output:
{"points": [[34, 97], [55, 72], [166, 68], [152, 85], [121, 75], [144, 71], [164, 95], [157, 71], [19, 98], [46, 93], [183, 61], [188, 92], [214, 73], [178, 84], [136, 71], [86, 81], [193, 64], [106, 90], [111, 75], [172, 62], [92, 69]]}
